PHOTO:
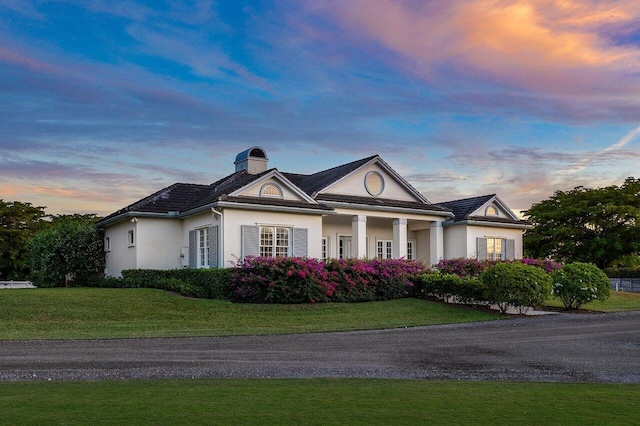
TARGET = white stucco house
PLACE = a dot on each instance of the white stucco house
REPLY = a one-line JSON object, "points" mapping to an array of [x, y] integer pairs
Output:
{"points": [[359, 209]]}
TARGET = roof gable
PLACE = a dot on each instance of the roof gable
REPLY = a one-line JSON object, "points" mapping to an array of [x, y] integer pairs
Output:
{"points": [[485, 207], [289, 190], [351, 179]]}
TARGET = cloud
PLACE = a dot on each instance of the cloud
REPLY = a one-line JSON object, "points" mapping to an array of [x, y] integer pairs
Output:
{"points": [[555, 48]]}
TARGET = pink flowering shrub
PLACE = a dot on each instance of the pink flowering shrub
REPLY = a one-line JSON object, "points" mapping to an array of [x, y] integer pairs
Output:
{"points": [[304, 280], [360, 280]]}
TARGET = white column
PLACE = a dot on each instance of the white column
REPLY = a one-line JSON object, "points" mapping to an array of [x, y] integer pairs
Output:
{"points": [[436, 243], [359, 236], [399, 238]]}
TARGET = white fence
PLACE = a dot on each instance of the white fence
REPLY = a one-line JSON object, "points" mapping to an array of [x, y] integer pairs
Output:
{"points": [[16, 284], [625, 284]]}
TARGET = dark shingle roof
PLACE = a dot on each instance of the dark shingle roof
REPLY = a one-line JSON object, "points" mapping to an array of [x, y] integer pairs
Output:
{"points": [[464, 207], [315, 182]]}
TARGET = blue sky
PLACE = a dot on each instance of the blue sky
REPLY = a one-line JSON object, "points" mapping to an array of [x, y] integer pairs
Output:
{"points": [[104, 102]]}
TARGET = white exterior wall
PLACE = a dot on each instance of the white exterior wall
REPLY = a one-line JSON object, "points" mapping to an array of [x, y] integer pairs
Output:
{"points": [[456, 244], [120, 256], [158, 243], [235, 218], [474, 232]]}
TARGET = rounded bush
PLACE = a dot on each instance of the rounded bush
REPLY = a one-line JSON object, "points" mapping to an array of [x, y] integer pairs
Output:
{"points": [[579, 283], [516, 284]]}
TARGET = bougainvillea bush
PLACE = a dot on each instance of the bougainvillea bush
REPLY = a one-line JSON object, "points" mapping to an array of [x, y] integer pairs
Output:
{"points": [[579, 283], [304, 280]]}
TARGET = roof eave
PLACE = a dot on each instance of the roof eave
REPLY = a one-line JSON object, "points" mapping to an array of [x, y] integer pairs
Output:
{"points": [[390, 209], [488, 223], [115, 219]]}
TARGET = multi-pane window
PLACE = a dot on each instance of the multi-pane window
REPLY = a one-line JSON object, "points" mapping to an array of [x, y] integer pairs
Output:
{"points": [[411, 254], [274, 241], [203, 247], [384, 249], [271, 190], [325, 248], [495, 248]]}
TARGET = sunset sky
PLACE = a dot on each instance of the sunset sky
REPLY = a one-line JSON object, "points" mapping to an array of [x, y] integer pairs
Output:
{"points": [[104, 102]]}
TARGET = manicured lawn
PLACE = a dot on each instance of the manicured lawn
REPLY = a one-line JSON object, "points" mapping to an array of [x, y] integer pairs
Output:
{"points": [[619, 301], [65, 313], [317, 401]]}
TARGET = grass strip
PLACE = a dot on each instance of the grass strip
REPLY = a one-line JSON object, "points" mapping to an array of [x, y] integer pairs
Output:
{"points": [[317, 401], [96, 313], [618, 301]]}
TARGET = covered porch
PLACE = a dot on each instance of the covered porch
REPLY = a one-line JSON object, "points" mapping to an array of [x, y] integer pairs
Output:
{"points": [[359, 234]]}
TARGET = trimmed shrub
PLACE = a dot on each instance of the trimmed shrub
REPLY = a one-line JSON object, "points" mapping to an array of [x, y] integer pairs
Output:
{"points": [[516, 284], [473, 268], [443, 285], [203, 283], [579, 283]]}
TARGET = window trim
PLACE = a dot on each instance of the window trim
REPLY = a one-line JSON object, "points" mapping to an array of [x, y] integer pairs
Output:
{"points": [[368, 188], [384, 251], [324, 248], [412, 244], [131, 237], [269, 185], [203, 251], [491, 207], [107, 243], [274, 249], [503, 248]]}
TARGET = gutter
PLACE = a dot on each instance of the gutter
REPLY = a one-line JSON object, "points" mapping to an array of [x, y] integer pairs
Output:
{"points": [[389, 209], [486, 223]]}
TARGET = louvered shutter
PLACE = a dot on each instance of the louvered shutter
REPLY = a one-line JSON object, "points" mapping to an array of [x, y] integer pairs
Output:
{"points": [[192, 249], [213, 246], [511, 249], [482, 248], [300, 242], [250, 240]]}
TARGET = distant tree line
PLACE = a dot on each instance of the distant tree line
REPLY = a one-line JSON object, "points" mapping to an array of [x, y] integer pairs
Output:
{"points": [[51, 250]]}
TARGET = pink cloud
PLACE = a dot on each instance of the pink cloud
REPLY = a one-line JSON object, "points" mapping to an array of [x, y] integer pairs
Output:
{"points": [[553, 46]]}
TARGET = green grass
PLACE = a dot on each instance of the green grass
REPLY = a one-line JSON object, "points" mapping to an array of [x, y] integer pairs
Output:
{"points": [[317, 401], [619, 301], [65, 313]]}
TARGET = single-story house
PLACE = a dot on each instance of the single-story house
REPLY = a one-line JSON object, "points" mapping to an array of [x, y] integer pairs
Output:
{"points": [[362, 209]]}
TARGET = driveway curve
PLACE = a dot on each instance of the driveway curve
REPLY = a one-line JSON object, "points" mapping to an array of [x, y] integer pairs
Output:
{"points": [[557, 348]]}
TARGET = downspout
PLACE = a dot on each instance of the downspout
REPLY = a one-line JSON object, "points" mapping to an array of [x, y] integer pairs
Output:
{"points": [[220, 237]]}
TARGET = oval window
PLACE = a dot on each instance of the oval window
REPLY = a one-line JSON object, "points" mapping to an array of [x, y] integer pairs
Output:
{"points": [[374, 183]]}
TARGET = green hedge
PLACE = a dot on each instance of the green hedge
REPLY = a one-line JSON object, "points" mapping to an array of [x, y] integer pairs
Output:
{"points": [[622, 272], [203, 283]]}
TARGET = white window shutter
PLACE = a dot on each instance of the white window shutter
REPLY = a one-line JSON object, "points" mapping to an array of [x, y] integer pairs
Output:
{"points": [[481, 248], [192, 249], [300, 242], [250, 240], [213, 246], [511, 249]]}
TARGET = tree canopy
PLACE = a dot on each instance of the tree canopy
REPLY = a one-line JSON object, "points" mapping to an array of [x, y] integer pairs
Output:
{"points": [[596, 226], [70, 250], [19, 222]]}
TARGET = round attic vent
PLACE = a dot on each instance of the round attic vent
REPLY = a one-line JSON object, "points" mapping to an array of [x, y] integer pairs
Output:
{"points": [[374, 183]]}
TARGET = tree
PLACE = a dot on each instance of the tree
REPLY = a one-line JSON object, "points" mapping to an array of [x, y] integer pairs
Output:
{"points": [[596, 226], [70, 250], [19, 222]]}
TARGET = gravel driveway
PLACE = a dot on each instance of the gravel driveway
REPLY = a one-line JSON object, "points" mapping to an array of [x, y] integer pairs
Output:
{"points": [[557, 348]]}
